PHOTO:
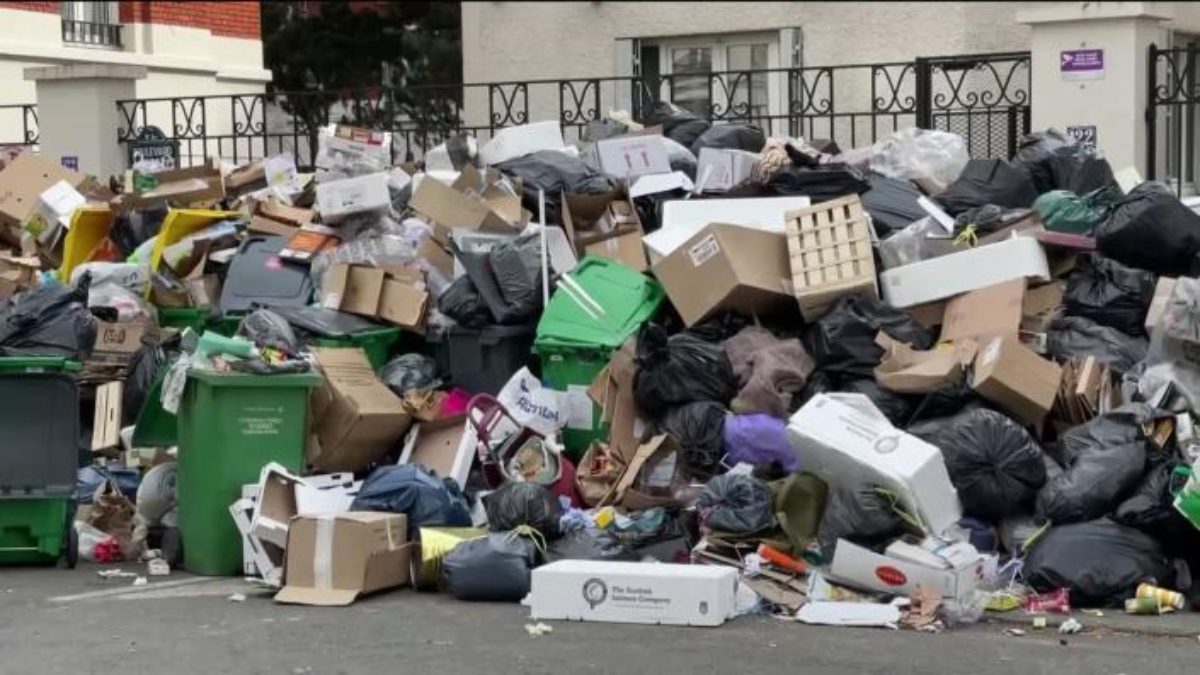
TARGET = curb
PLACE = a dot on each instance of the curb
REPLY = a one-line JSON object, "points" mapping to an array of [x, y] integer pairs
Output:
{"points": [[1182, 625]]}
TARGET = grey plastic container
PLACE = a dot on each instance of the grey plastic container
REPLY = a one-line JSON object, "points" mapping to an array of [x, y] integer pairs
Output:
{"points": [[39, 434]]}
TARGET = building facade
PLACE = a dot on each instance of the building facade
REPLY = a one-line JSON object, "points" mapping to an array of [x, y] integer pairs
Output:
{"points": [[188, 48]]}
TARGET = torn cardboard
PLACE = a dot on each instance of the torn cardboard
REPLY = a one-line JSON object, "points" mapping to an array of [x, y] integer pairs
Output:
{"points": [[605, 225], [986, 312], [442, 446], [1012, 376], [16, 275], [910, 371], [334, 559], [397, 296], [612, 391], [475, 201], [106, 427], [357, 418], [23, 180]]}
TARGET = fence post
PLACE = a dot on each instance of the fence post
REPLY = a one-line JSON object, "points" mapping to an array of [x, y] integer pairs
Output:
{"points": [[1151, 117], [924, 93]]}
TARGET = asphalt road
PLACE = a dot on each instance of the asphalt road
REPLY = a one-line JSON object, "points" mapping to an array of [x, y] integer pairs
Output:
{"points": [[55, 621]]}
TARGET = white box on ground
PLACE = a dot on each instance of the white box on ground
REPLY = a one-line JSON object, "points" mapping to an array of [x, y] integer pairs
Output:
{"points": [[954, 576], [512, 142], [339, 199], [957, 273], [623, 592], [845, 440], [726, 168], [682, 219]]}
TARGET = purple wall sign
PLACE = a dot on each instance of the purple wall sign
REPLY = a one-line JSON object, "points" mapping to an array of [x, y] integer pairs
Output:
{"points": [[1081, 64]]}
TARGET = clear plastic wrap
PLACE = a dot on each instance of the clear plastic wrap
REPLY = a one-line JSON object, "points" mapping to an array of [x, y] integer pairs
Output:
{"points": [[386, 250], [921, 154], [132, 276]]}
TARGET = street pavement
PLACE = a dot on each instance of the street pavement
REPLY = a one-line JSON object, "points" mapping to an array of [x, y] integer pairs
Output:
{"points": [[60, 621]]}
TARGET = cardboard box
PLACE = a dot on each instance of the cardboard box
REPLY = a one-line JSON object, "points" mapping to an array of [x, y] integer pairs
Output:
{"points": [[986, 312], [16, 275], [276, 505], [55, 206], [1041, 306], [957, 273], [306, 242], [259, 559], [332, 560], [624, 592], [344, 144], [397, 296], [632, 156], [340, 199], [722, 169], [106, 426], [283, 213], [910, 371], [475, 201], [954, 574], [682, 219], [23, 180], [1014, 377], [116, 343], [845, 440], [1162, 295], [605, 225], [246, 178], [928, 315], [356, 417], [184, 187], [512, 142], [612, 391], [443, 446], [727, 267]]}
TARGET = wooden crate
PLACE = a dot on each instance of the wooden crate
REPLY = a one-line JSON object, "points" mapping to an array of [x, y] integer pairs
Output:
{"points": [[830, 250]]}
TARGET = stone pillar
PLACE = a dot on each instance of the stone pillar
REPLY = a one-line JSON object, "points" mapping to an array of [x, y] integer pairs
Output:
{"points": [[1090, 68], [77, 113]]}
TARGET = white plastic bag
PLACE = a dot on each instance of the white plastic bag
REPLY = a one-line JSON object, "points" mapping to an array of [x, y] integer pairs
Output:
{"points": [[532, 404], [921, 154]]}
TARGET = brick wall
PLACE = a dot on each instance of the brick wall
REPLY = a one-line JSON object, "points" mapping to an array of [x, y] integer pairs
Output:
{"points": [[48, 7], [233, 19]]}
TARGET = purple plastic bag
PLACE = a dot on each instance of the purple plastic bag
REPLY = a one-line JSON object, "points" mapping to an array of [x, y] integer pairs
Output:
{"points": [[758, 440]]}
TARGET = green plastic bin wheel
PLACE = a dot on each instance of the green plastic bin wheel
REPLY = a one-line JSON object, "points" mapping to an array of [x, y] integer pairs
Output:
{"points": [[183, 317], [230, 425], [572, 371], [33, 531], [376, 344]]}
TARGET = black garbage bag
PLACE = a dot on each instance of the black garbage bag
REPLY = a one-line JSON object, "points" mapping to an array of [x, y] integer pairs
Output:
{"points": [[949, 399], [730, 137], [413, 490], [989, 181], [826, 182], [993, 462], [679, 369], [516, 504], [1110, 294], [843, 341], [737, 504], [719, 328], [267, 329], [139, 379], [896, 407], [508, 279], [1074, 336], [409, 372], [1100, 562], [1149, 508], [860, 514], [678, 124], [554, 172], [495, 568], [1038, 145], [48, 321], [589, 545], [1103, 461], [892, 203], [1152, 230], [699, 428], [1078, 169], [461, 301]]}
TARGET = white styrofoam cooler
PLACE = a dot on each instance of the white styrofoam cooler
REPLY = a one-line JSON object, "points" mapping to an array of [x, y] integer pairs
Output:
{"points": [[624, 592], [957, 273], [845, 440]]}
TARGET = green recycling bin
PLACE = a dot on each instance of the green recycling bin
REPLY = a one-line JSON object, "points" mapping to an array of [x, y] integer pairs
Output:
{"points": [[230, 425]]}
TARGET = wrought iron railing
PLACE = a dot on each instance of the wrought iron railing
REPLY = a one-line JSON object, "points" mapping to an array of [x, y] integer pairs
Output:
{"points": [[18, 124], [983, 97], [92, 34], [1171, 109]]}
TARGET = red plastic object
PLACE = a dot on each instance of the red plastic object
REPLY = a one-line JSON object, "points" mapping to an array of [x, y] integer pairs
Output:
{"points": [[1054, 602]]}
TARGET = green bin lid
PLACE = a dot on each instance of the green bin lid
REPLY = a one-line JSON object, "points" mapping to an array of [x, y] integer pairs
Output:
{"points": [[628, 297], [38, 364]]}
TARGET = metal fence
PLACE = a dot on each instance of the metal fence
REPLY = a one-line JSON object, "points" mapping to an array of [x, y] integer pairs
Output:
{"points": [[984, 97], [1171, 109], [19, 123]]}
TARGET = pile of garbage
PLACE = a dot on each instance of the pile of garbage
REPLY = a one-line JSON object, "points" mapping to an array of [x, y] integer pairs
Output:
{"points": [[676, 373]]}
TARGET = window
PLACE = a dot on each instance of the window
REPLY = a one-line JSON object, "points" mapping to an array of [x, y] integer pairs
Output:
{"points": [[720, 76], [96, 24]]}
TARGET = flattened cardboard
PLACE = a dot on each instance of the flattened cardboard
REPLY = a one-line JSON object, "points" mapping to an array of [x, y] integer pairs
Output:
{"points": [[356, 417], [986, 312], [472, 202], [910, 371], [278, 211], [612, 391], [1162, 295], [728, 267], [23, 180], [16, 274], [184, 187], [332, 560], [1014, 377], [353, 288]]}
